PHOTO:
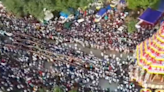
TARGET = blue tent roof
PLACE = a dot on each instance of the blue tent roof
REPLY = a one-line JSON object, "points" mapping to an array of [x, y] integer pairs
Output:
{"points": [[151, 16], [108, 7], [102, 11], [64, 14], [161, 6]]}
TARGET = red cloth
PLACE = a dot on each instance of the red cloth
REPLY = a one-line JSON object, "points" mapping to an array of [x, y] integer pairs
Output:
{"points": [[3, 61], [40, 72], [85, 13], [110, 41], [29, 81], [51, 37], [110, 68]]}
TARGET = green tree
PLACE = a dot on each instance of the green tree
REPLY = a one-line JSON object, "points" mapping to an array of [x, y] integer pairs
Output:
{"points": [[36, 7], [73, 90], [57, 89], [14, 6], [134, 4], [131, 25], [49, 4], [84, 3], [64, 5]]}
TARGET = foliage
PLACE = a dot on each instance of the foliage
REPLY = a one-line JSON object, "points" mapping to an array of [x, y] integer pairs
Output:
{"points": [[131, 25], [42, 90], [65, 5], [155, 4], [73, 90], [14, 6], [134, 4], [35, 7], [57, 89]]}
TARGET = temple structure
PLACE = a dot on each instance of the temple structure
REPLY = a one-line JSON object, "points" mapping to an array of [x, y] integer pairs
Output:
{"points": [[148, 70]]}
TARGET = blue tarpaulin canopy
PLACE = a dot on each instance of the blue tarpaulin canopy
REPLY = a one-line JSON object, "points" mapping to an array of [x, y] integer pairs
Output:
{"points": [[102, 11], [108, 7], [151, 16], [161, 6], [64, 15]]}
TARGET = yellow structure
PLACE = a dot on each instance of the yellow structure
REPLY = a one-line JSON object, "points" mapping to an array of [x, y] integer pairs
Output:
{"points": [[145, 90], [159, 90], [149, 68]]}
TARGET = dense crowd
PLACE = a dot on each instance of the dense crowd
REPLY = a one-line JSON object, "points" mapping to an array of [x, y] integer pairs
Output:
{"points": [[25, 74], [24, 54], [102, 35]]}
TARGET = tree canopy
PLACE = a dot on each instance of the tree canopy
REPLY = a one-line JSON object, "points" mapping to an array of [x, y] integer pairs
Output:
{"points": [[57, 89], [131, 25], [134, 4], [36, 7]]}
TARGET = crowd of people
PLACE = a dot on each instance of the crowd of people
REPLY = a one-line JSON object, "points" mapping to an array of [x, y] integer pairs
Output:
{"points": [[26, 73], [25, 53], [102, 35]]}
